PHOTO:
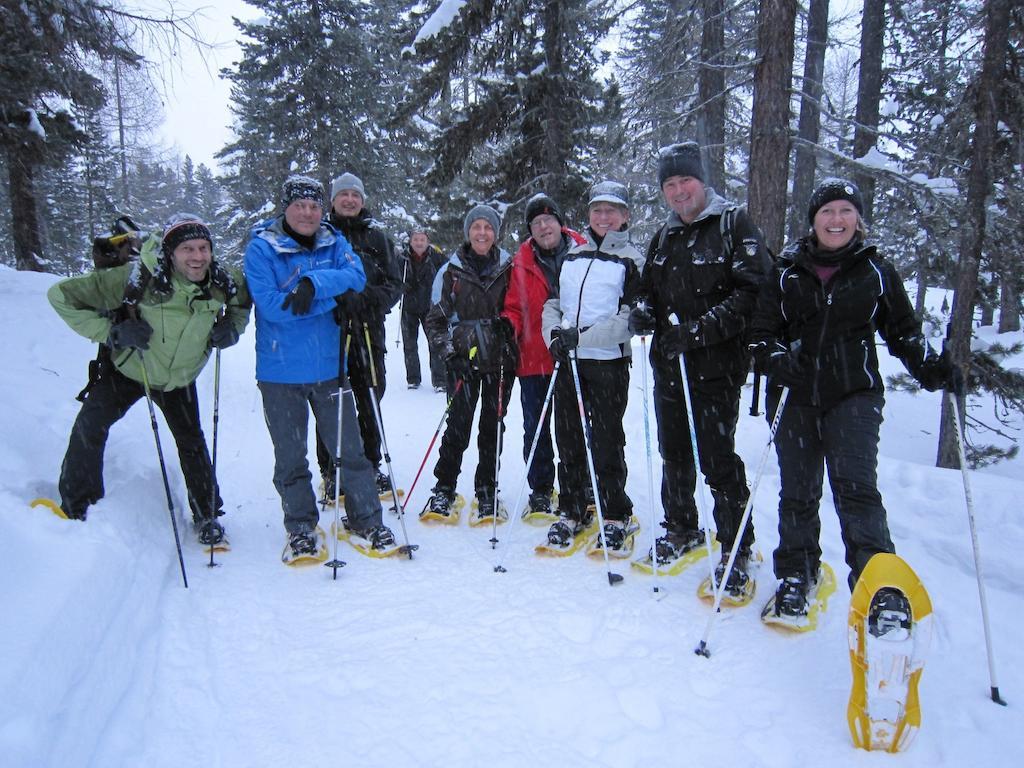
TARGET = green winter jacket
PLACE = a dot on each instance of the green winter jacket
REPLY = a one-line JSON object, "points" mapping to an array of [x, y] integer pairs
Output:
{"points": [[181, 321]]}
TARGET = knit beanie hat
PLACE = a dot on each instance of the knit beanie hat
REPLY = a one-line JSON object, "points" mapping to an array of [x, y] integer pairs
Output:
{"points": [[181, 227], [299, 187], [680, 160], [484, 212], [347, 181], [834, 189], [539, 205], [609, 192]]}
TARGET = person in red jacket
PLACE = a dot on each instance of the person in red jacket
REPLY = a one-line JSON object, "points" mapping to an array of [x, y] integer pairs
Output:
{"points": [[533, 281]]}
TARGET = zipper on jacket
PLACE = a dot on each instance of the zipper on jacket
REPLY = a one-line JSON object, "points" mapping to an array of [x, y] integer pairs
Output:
{"points": [[817, 353]]}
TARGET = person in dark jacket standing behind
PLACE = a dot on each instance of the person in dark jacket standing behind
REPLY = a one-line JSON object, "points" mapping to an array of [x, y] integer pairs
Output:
{"points": [[703, 270], [420, 264], [479, 352], [814, 332], [533, 281], [364, 309]]}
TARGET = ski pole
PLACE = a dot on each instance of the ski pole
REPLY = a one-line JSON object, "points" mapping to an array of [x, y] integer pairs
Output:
{"points": [[213, 454], [163, 464], [755, 397], [455, 393], [613, 578], [697, 469], [344, 342], [702, 647], [994, 686], [401, 303], [650, 465], [497, 447], [399, 507], [499, 568]]}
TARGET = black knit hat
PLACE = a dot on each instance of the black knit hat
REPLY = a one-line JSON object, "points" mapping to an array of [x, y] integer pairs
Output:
{"points": [[301, 188], [834, 189], [181, 227], [539, 205], [680, 160]]}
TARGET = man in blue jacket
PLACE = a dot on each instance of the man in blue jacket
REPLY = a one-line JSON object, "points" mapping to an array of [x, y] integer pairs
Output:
{"points": [[296, 266]]}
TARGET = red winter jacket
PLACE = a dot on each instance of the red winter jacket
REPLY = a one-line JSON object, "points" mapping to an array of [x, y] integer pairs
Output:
{"points": [[528, 289]]}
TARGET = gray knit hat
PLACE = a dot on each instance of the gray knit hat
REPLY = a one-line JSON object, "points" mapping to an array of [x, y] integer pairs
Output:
{"points": [[484, 212], [181, 227], [680, 160], [347, 181]]}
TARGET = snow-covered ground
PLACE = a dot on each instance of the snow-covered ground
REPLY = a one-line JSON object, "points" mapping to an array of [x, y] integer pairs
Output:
{"points": [[105, 660]]}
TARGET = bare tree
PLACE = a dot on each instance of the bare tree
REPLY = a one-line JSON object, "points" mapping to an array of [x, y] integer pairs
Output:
{"points": [[985, 94]]}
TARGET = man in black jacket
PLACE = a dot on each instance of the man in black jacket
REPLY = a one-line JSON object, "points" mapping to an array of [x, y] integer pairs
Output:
{"points": [[703, 271], [420, 264], [361, 312]]}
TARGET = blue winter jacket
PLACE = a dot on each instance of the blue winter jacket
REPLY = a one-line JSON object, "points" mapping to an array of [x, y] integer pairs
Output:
{"points": [[298, 349]]}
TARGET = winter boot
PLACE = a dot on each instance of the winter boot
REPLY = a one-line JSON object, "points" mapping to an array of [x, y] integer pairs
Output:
{"points": [[209, 532], [441, 502], [791, 598], [614, 535], [383, 483], [677, 542], [303, 543], [487, 506], [540, 503], [565, 529], [739, 576]]}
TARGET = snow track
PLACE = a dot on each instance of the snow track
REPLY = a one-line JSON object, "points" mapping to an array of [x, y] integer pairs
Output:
{"points": [[105, 660]]}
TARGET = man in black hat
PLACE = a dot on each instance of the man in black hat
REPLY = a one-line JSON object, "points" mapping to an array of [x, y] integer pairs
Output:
{"points": [[533, 282], [702, 274]]}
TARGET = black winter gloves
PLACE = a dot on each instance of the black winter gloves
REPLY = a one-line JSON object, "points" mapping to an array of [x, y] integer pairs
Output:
{"points": [[936, 372], [223, 334], [782, 365], [641, 321], [300, 300], [461, 367], [563, 341], [677, 339], [132, 333]]}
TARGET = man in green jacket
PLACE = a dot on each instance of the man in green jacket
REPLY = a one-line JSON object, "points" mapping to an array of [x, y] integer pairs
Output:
{"points": [[197, 305]]}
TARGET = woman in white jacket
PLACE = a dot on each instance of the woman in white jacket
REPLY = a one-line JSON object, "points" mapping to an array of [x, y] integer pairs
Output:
{"points": [[587, 319]]}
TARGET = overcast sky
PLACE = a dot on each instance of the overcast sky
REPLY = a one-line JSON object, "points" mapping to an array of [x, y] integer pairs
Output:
{"points": [[196, 98]]}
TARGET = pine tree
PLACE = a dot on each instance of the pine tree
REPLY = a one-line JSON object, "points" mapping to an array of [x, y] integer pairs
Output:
{"points": [[523, 105]]}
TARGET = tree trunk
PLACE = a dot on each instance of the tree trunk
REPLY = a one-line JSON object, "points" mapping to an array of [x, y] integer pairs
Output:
{"points": [[28, 245], [711, 88], [972, 231], [769, 132], [555, 152], [1009, 302], [810, 116], [869, 93]]}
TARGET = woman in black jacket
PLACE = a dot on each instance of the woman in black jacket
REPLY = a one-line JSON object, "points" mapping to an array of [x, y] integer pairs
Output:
{"points": [[814, 332]]}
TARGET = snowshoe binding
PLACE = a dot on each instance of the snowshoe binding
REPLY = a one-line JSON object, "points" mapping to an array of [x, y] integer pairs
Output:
{"points": [[444, 507], [798, 601], [305, 547], [540, 510], [211, 535], [620, 536], [677, 550], [377, 541], [485, 509], [566, 536], [741, 584]]}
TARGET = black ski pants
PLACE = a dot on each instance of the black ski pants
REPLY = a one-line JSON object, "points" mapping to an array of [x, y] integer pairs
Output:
{"points": [[459, 426], [844, 439], [604, 385], [541, 473], [109, 398], [411, 324], [716, 406]]}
